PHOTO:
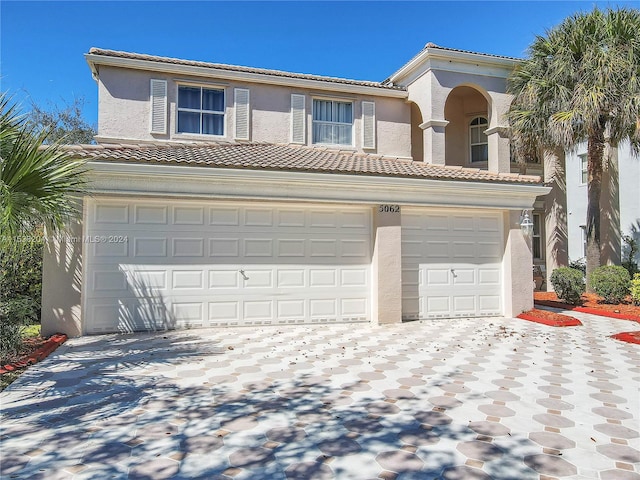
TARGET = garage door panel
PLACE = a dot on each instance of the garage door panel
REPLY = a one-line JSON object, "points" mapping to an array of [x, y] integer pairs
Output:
{"points": [[489, 276], [111, 214], [150, 247], [489, 304], [224, 279], [258, 278], [188, 216], [109, 250], [188, 279], [291, 247], [323, 278], [458, 260], [224, 311], [464, 276], [188, 314], [258, 247], [464, 304], [224, 216], [438, 305], [463, 250], [437, 277], [224, 247], [291, 309], [187, 247], [300, 265], [150, 214]]}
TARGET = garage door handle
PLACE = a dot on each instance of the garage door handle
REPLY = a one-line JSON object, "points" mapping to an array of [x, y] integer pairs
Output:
{"points": [[454, 273], [243, 275]]}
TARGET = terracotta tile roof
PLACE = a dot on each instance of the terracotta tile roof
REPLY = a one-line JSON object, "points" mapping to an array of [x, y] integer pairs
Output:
{"points": [[237, 68], [268, 156], [433, 45]]}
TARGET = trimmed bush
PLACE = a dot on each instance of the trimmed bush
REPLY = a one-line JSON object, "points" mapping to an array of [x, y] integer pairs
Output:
{"points": [[611, 282], [568, 283], [635, 289]]}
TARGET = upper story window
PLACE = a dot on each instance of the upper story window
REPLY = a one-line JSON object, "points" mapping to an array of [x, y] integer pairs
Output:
{"points": [[478, 139], [332, 122], [536, 241], [200, 110], [584, 169]]}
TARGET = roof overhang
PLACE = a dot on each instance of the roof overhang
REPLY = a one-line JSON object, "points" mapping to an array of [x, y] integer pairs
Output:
{"points": [[436, 58], [244, 184], [95, 61]]}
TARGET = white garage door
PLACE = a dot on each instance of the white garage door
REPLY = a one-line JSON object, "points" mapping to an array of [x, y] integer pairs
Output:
{"points": [[165, 264], [451, 264]]}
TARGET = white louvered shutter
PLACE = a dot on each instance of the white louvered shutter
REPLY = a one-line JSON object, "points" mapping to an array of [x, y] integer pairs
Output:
{"points": [[297, 119], [158, 106], [241, 99], [368, 125]]}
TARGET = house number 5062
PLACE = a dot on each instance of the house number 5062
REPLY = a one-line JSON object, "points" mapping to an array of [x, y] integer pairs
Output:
{"points": [[389, 208]]}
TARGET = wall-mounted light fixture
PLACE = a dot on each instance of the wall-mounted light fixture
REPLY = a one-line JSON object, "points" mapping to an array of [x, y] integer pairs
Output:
{"points": [[526, 225]]}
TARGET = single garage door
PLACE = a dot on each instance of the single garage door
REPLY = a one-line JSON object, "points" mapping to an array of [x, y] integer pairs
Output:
{"points": [[451, 264], [179, 264]]}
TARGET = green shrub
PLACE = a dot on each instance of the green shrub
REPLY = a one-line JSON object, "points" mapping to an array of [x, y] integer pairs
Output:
{"points": [[611, 282], [635, 289], [15, 314], [568, 283]]}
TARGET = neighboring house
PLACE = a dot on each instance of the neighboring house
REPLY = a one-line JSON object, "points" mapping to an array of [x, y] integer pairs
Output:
{"points": [[225, 195], [620, 202]]}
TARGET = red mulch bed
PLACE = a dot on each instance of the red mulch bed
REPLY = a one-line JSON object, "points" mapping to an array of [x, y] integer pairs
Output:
{"points": [[34, 350], [550, 319], [629, 337], [592, 303]]}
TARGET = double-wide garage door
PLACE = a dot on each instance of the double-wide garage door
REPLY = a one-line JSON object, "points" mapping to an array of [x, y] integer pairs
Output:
{"points": [[451, 264], [175, 263]]}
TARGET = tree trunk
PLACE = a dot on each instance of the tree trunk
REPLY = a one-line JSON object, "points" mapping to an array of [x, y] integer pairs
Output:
{"points": [[595, 153]]}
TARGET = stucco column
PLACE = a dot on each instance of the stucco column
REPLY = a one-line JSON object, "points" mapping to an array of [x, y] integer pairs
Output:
{"points": [[434, 141], [387, 266], [62, 282], [610, 229], [518, 268], [499, 150], [555, 214]]}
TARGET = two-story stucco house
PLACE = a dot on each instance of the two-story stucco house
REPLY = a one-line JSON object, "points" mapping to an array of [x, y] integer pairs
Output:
{"points": [[226, 195]]}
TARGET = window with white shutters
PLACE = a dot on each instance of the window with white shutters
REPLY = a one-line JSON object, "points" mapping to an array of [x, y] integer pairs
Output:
{"points": [[241, 101], [298, 119], [158, 100], [368, 125]]}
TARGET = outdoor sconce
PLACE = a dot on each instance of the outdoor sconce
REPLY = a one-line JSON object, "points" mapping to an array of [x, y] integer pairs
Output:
{"points": [[526, 225]]}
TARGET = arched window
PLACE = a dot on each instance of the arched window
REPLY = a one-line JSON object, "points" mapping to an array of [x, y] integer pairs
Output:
{"points": [[478, 139]]}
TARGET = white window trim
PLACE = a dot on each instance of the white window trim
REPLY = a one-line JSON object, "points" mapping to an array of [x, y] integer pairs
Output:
{"points": [[352, 124], [224, 114], [583, 158], [471, 145]]}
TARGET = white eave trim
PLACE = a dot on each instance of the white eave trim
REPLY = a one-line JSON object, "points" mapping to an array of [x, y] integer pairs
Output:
{"points": [[265, 185], [476, 59], [96, 60]]}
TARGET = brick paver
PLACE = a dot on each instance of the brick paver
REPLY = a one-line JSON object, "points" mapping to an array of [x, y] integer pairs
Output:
{"points": [[464, 399]]}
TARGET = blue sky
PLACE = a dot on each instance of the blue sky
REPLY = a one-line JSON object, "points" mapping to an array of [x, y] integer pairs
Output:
{"points": [[42, 43]]}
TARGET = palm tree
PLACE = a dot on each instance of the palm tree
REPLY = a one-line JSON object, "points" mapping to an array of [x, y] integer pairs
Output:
{"points": [[581, 82], [39, 185]]}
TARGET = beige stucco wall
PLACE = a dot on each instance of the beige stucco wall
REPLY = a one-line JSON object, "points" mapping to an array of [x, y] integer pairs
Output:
{"points": [[124, 112], [517, 267], [62, 283], [430, 91], [386, 268]]}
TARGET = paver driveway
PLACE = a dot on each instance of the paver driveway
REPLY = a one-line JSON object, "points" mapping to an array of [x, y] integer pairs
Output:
{"points": [[455, 399]]}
